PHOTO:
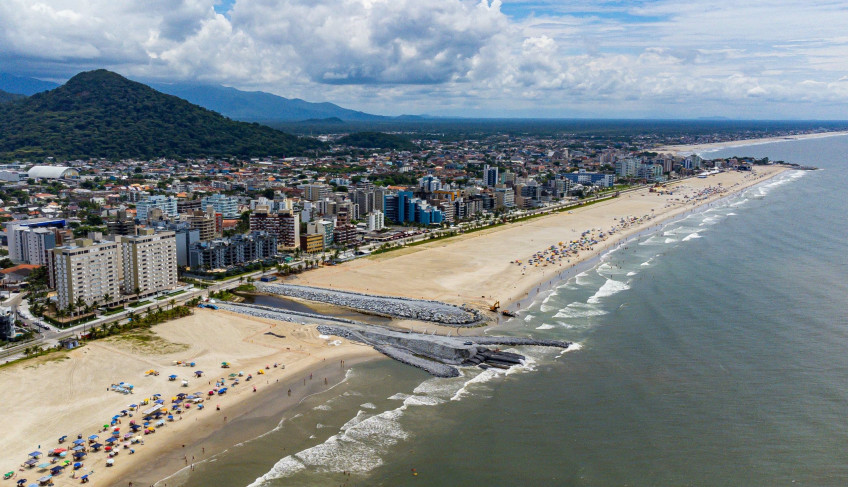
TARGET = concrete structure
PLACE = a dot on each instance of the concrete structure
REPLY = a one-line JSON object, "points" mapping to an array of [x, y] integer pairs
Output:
{"points": [[205, 224], [228, 252], [490, 176], [376, 221], [168, 205], [504, 198], [344, 234], [625, 168], [323, 228], [403, 207], [52, 172], [312, 242], [316, 192], [149, 262], [86, 271], [225, 205], [7, 323], [592, 178], [122, 225], [29, 240], [284, 225]]}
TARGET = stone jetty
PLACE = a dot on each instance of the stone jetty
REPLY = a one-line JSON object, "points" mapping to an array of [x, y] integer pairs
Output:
{"points": [[436, 354], [390, 306]]}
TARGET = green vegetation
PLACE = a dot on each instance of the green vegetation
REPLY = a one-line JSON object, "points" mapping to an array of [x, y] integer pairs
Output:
{"points": [[6, 97], [138, 303], [377, 140], [102, 114]]}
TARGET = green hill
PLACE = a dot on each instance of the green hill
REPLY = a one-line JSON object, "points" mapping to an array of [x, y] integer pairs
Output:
{"points": [[102, 114], [376, 140], [7, 97]]}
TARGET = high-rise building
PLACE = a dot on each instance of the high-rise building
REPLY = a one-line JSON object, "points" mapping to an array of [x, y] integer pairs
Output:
{"points": [[149, 262], [87, 271], [285, 225], [227, 252], [168, 205], [204, 223], [376, 221], [7, 323], [223, 204], [122, 225], [490, 175], [322, 227], [316, 191], [403, 207], [29, 240]]}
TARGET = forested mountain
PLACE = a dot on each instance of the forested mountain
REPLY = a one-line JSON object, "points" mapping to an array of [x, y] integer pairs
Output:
{"points": [[102, 114]]}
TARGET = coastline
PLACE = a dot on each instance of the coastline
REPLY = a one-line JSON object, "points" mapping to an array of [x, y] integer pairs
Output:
{"points": [[248, 419], [478, 269], [687, 149]]}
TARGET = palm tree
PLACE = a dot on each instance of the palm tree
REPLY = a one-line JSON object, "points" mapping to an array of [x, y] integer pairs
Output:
{"points": [[173, 303], [107, 298], [71, 307], [137, 291], [81, 303]]}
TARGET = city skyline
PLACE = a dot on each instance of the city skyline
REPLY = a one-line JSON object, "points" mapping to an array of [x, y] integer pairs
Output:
{"points": [[654, 59]]}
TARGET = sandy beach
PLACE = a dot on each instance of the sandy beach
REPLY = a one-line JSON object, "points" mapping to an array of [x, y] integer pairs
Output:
{"points": [[67, 393], [479, 268], [684, 150]]}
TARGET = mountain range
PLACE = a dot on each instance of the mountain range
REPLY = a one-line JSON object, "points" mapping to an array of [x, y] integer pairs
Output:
{"points": [[102, 114], [246, 106]]}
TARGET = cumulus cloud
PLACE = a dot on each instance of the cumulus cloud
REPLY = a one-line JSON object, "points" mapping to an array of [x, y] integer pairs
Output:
{"points": [[452, 56]]}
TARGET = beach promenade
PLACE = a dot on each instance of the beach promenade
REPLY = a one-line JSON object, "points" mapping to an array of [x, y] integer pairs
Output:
{"points": [[67, 393]]}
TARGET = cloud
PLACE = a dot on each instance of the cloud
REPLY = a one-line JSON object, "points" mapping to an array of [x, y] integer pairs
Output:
{"points": [[458, 56]]}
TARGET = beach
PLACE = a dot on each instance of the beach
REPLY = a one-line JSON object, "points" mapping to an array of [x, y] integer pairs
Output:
{"points": [[479, 268], [684, 150], [67, 393]]}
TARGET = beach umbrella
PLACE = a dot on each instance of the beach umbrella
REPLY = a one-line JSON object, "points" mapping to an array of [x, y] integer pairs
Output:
{"points": [[63, 454], [35, 454], [77, 465], [78, 442], [44, 465], [45, 478], [79, 448], [21, 481], [160, 401], [93, 437]]}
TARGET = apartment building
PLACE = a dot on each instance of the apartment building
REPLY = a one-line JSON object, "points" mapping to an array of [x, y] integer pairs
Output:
{"points": [[149, 262], [223, 204], [86, 270]]}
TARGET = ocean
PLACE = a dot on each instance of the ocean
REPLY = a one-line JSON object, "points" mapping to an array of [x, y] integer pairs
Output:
{"points": [[711, 352]]}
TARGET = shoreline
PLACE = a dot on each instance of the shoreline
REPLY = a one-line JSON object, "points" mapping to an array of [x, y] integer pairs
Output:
{"points": [[247, 421], [687, 149], [457, 272]]}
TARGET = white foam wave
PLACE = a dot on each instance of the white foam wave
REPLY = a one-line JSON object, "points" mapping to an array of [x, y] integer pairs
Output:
{"points": [[480, 378], [608, 289], [691, 236], [368, 405], [631, 274], [528, 317], [579, 310], [545, 327], [572, 348], [731, 214], [322, 407], [670, 240]]}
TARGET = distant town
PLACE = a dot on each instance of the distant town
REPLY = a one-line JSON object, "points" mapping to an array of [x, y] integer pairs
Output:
{"points": [[93, 241]]}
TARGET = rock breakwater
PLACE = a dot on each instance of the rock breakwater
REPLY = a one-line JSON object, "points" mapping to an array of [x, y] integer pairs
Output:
{"points": [[394, 307]]}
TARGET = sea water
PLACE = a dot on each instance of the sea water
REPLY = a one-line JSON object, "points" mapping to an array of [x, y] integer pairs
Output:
{"points": [[711, 352]]}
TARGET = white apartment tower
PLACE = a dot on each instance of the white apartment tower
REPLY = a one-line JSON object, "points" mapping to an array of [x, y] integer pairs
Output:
{"points": [[87, 270], [149, 262]]}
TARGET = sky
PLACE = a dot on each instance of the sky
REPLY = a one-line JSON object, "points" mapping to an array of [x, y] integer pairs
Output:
{"points": [[747, 59]]}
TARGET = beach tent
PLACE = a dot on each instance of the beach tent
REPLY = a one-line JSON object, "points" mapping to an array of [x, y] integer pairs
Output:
{"points": [[93, 437], [36, 454], [78, 442], [198, 373], [79, 448], [77, 465], [96, 446], [44, 466], [30, 462], [21, 481], [45, 479]]}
